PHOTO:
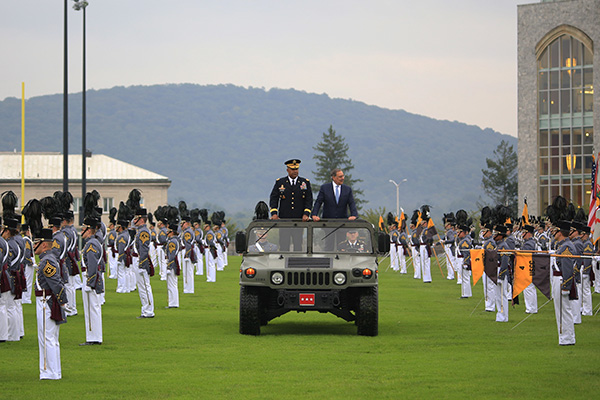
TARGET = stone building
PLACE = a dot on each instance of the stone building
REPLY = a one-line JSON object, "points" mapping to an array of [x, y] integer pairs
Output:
{"points": [[112, 178], [558, 113]]}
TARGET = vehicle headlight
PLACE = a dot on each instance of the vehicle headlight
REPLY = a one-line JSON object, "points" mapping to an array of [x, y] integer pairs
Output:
{"points": [[250, 272], [339, 278], [277, 278]]}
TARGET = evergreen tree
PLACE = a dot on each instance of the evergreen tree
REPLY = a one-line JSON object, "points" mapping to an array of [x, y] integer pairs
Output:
{"points": [[500, 178], [332, 152]]}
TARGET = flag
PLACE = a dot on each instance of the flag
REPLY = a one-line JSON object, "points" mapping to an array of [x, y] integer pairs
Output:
{"points": [[419, 220], [381, 224], [593, 195], [476, 264], [490, 264], [526, 213], [523, 273], [431, 227], [541, 273]]}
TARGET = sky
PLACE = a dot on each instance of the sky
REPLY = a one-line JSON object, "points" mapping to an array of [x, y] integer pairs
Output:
{"points": [[452, 60]]}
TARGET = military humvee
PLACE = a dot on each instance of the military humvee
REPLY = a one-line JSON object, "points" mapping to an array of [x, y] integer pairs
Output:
{"points": [[325, 266]]}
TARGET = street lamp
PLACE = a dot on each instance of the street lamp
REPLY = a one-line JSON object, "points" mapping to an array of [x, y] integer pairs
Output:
{"points": [[65, 108], [398, 195], [81, 5]]}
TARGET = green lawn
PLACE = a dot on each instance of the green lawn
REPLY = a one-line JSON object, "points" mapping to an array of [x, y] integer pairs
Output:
{"points": [[430, 345]]}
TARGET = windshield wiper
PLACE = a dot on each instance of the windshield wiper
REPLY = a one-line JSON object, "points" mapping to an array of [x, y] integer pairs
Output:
{"points": [[329, 234], [267, 231]]}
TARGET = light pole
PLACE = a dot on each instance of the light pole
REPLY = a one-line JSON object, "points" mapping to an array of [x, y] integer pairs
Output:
{"points": [[65, 109], [81, 5], [398, 195]]}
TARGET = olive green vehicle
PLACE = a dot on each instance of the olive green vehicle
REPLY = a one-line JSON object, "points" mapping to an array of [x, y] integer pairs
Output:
{"points": [[326, 266]]}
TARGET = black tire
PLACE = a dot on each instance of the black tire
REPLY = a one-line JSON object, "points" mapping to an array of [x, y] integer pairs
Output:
{"points": [[367, 316], [249, 311]]}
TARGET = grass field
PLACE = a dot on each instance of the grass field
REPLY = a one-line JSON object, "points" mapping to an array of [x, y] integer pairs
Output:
{"points": [[430, 346]]}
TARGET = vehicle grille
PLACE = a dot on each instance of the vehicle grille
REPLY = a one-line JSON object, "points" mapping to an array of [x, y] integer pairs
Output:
{"points": [[308, 278], [313, 262]]}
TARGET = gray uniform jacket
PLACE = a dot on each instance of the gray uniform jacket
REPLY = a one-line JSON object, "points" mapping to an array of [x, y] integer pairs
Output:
{"points": [[122, 246], [92, 256], [566, 264], [142, 245], [49, 280], [172, 249]]}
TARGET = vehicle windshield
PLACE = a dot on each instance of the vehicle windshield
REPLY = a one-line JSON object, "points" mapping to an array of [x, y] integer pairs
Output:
{"points": [[342, 240], [275, 239]]}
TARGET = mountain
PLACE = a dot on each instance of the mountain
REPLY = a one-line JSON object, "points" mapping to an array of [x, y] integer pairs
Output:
{"points": [[224, 145]]}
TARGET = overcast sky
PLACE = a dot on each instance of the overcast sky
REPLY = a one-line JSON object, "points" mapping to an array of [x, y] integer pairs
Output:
{"points": [[454, 60]]}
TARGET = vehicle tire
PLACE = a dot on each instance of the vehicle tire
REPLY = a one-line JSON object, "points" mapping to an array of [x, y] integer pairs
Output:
{"points": [[367, 316], [249, 311]]}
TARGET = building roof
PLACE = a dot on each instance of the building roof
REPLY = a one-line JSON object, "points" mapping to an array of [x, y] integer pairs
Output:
{"points": [[49, 167]]}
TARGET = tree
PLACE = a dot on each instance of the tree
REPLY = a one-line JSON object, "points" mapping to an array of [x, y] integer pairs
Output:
{"points": [[332, 152], [500, 178]]}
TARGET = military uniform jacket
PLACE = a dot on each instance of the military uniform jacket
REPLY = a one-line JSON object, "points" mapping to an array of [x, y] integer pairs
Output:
{"points": [[530, 244], [415, 237], [566, 264], [92, 257], [162, 236], [4, 275], [356, 247], [172, 248], [394, 237], [464, 247], [451, 239], [505, 259], [111, 237], [59, 247], [403, 239], [71, 244], [289, 201], [11, 266], [122, 246], [588, 250], [578, 261], [29, 256], [50, 282], [189, 239], [142, 246], [489, 244]]}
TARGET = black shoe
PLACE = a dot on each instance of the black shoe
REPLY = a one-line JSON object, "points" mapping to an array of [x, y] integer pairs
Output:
{"points": [[143, 316], [167, 307], [89, 343]]}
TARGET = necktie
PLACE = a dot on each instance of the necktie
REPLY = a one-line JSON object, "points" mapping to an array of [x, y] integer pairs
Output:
{"points": [[337, 193]]}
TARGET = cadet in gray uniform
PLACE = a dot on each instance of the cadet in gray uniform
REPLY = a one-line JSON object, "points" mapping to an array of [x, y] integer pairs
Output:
{"points": [[189, 255], [576, 240], [450, 247], [586, 269], [10, 284], [92, 258], [503, 288], [51, 300], [29, 261], [529, 293], [562, 284], [4, 286], [145, 267], [211, 253], [488, 284], [161, 238], [173, 268]]}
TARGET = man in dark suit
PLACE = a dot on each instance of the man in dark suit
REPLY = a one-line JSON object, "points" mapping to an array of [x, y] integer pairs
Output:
{"points": [[336, 199]]}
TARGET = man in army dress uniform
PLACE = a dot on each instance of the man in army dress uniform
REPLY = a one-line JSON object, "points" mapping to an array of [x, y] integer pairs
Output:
{"points": [[291, 197], [189, 255], [145, 268], [92, 257], [563, 275], [172, 264], [352, 244]]}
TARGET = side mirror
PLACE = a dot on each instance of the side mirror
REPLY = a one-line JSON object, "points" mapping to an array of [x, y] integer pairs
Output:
{"points": [[383, 242], [240, 242]]}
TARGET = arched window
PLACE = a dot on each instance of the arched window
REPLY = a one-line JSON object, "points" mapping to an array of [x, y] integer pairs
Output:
{"points": [[565, 116]]}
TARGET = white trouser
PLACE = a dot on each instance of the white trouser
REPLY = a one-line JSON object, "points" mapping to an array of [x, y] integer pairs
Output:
{"points": [[71, 296], [92, 309], [458, 268], [172, 289], [425, 264], [219, 260], [450, 261], [530, 297], [225, 257], [465, 283], [586, 295], [3, 318], [49, 346], [596, 266], [162, 262], [153, 255], [199, 261], [394, 257], [145, 291], [489, 293], [502, 290], [133, 272], [416, 262], [402, 260], [188, 275], [112, 264], [20, 324], [121, 278], [562, 310], [12, 317], [78, 282], [26, 298], [211, 269]]}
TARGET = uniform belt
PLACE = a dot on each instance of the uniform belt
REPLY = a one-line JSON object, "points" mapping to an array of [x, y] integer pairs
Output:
{"points": [[40, 293], [556, 273]]}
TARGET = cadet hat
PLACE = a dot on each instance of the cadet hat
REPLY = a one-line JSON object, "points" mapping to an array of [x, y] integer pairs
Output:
{"points": [[564, 225], [293, 163], [529, 228], [500, 230], [45, 235]]}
